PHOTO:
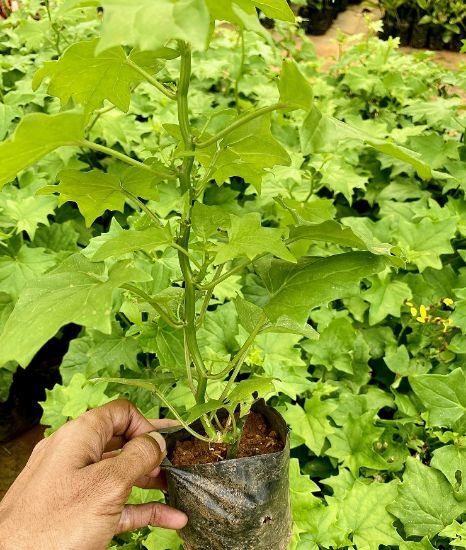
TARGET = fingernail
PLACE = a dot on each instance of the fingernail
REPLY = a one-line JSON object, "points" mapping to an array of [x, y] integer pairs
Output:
{"points": [[160, 442]]}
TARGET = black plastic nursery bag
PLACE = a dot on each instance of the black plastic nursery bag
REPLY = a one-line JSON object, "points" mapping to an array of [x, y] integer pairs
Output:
{"points": [[239, 504]]}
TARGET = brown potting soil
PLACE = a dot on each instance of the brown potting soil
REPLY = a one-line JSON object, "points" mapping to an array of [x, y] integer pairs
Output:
{"points": [[257, 439]]}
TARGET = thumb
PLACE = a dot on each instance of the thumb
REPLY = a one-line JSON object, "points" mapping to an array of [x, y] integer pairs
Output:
{"points": [[151, 513], [140, 456]]}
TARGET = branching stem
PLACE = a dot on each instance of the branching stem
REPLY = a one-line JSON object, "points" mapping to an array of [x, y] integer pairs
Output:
{"points": [[112, 153], [158, 85], [163, 314], [240, 121]]}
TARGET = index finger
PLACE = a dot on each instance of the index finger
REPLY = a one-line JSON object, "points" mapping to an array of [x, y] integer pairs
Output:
{"points": [[85, 439]]}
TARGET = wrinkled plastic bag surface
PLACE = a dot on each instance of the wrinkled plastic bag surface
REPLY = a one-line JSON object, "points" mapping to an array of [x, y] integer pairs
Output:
{"points": [[239, 504]]}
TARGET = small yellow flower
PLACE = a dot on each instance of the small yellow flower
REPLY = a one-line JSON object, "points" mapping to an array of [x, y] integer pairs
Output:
{"points": [[448, 301], [413, 311], [447, 323], [409, 304], [422, 314]]}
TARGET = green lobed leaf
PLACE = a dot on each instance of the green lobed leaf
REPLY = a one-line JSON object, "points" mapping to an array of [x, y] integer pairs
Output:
{"points": [[310, 426], [451, 461], [247, 391], [36, 135], [149, 24], [333, 232], [296, 289], [248, 238], [70, 401], [23, 266], [386, 297], [352, 444], [443, 395], [89, 79], [246, 152], [130, 240], [295, 90], [426, 503], [107, 190], [322, 133], [77, 291]]}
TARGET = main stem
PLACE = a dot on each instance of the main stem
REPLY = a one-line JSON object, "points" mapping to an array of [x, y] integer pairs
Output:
{"points": [[183, 257]]}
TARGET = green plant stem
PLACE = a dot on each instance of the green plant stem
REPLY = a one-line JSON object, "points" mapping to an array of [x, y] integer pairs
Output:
{"points": [[183, 117], [240, 70], [207, 297], [183, 241], [143, 206], [162, 398], [112, 153], [54, 28], [186, 253], [160, 87], [240, 121], [238, 359], [163, 314], [98, 114], [214, 282], [190, 314]]}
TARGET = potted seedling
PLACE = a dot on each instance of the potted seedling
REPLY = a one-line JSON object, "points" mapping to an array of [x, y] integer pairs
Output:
{"points": [[227, 467]]}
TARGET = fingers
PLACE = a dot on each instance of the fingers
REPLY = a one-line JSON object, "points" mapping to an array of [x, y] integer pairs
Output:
{"points": [[149, 482], [117, 442], [159, 423], [88, 436], [139, 457], [153, 513]]}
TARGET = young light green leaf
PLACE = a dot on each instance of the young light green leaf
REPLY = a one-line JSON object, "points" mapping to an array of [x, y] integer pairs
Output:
{"points": [[363, 512], [107, 190], [329, 231], [202, 408], [72, 400], [451, 461], [296, 289], [386, 297], [310, 426], [295, 90], [443, 395], [426, 503], [352, 444], [89, 79], [78, 291], [35, 136], [130, 240], [149, 24], [162, 539], [249, 390], [276, 9], [25, 265], [246, 152], [248, 238], [322, 133]]}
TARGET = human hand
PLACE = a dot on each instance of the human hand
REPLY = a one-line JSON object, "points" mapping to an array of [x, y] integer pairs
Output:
{"points": [[72, 493]]}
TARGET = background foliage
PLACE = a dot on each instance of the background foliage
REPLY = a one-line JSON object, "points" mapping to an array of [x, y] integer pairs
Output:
{"points": [[377, 405]]}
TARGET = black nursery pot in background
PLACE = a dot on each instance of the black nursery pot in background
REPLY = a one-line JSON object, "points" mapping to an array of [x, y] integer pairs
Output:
{"points": [[239, 504]]}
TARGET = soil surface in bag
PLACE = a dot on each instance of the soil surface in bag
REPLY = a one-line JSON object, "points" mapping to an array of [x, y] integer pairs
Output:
{"points": [[234, 504], [257, 439]]}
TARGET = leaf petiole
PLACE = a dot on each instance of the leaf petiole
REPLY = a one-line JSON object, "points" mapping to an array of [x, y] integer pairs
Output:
{"points": [[240, 121]]}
